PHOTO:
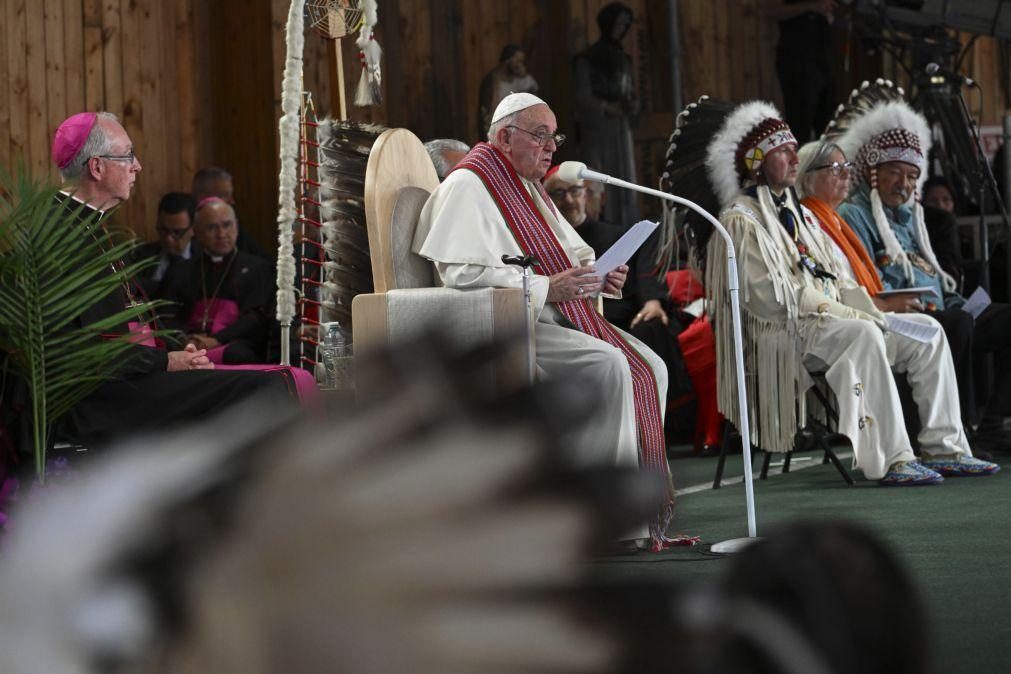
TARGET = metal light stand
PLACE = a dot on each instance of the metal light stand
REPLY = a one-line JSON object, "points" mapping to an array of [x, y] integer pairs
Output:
{"points": [[985, 179]]}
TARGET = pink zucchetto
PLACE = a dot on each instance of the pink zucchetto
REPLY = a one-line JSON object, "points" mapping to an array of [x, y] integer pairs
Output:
{"points": [[70, 137], [211, 200]]}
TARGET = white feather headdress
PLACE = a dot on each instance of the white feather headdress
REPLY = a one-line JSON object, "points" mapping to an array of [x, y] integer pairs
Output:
{"points": [[889, 130], [856, 141], [721, 156]]}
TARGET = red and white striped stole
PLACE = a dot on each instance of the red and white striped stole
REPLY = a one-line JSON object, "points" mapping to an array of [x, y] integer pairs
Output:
{"points": [[535, 237]]}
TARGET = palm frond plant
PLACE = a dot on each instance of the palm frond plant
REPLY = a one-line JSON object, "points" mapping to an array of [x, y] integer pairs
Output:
{"points": [[53, 266]]}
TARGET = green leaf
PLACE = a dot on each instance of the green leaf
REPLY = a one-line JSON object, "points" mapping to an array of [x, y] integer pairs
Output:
{"points": [[52, 268]]}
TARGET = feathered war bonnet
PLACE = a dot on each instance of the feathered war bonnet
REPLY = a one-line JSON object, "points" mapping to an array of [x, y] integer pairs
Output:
{"points": [[747, 136], [875, 127], [890, 131]]}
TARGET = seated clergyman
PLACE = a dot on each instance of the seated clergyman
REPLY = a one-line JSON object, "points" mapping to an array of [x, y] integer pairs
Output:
{"points": [[151, 388], [642, 308], [493, 204], [222, 299]]}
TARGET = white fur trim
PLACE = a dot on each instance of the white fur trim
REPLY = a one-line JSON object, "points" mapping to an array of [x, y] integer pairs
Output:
{"points": [[881, 118], [291, 98], [720, 155]]}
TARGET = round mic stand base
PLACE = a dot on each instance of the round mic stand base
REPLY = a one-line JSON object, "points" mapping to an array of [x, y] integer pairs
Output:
{"points": [[733, 545]]}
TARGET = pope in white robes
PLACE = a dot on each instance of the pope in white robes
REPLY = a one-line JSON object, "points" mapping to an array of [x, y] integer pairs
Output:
{"points": [[465, 233]]}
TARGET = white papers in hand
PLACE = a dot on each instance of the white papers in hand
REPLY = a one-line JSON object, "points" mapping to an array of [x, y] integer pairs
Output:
{"points": [[920, 332], [978, 301], [624, 248], [919, 290]]}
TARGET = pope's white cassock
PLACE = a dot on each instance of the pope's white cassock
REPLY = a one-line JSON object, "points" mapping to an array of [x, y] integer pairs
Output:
{"points": [[463, 232]]}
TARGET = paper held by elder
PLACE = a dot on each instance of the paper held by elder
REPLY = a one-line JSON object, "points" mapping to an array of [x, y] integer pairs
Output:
{"points": [[978, 301], [919, 290], [919, 332]]}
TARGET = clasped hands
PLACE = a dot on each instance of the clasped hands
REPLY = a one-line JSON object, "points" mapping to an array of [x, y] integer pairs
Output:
{"points": [[580, 282], [190, 358], [202, 341]]}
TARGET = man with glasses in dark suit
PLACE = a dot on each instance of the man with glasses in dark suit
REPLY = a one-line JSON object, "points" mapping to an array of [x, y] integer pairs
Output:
{"points": [[175, 241]]}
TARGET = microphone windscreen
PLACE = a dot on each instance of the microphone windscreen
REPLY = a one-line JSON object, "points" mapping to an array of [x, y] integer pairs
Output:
{"points": [[571, 171]]}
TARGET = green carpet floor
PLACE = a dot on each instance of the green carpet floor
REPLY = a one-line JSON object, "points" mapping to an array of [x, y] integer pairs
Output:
{"points": [[955, 539]]}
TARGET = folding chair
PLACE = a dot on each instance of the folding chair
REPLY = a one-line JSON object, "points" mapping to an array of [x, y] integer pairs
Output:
{"points": [[820, 430]]}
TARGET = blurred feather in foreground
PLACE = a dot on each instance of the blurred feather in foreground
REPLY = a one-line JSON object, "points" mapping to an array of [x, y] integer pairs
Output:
{"points": [[437, 528]]}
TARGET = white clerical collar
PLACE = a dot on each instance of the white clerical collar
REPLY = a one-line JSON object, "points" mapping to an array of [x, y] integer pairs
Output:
{"points": [[81, 201]]}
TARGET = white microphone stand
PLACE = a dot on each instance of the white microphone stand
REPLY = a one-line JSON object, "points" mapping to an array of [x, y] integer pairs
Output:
{"points": [[571, 171]]}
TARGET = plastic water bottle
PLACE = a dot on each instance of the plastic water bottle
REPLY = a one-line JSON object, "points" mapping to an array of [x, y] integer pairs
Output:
{"points": [[334, 350]]}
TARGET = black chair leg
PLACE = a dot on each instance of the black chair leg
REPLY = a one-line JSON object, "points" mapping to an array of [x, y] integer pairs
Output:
{"points": [[830, 456], [721, 462], [820, 431]]}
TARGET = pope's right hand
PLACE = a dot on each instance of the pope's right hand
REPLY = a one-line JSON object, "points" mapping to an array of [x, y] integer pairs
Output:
{"points": [[573, 284]]}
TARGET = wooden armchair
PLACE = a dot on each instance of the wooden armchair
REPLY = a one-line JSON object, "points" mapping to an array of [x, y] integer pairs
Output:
{"points": [[407, 301]]}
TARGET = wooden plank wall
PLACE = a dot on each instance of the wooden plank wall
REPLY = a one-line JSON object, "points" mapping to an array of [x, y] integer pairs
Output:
{"points": [[241, 109], [437, 51], [132, 57], [198, 82], [987, 62]]}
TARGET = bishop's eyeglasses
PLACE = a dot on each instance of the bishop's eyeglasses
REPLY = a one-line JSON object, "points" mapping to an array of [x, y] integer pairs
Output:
{"points": [[130, 157]]}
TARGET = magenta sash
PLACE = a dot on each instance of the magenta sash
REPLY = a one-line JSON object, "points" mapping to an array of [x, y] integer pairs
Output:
{"points": [[140, 333], [217, 354], [305, 383], [219, 315], [535, 237]]}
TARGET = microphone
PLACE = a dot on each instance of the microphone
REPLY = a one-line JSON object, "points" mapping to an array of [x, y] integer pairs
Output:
{"points": [[935, 71], [574, 171]]}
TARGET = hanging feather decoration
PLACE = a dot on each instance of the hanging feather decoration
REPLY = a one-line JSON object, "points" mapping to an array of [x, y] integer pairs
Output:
{"points": [[442, 530], [370, 85], [288, 128], [344, 155], [685, 176]]}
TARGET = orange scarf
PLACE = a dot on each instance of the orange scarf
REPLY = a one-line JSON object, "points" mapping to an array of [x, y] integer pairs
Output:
{"points": [[848, 242]]}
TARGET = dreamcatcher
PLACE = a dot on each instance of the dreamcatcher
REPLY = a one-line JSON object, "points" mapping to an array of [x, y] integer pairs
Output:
{"points": [[335, 20]]}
